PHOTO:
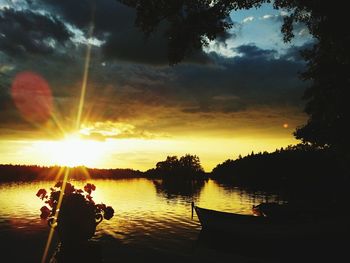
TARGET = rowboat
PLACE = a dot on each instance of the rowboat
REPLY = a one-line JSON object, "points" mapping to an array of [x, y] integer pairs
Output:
{"points": [[271, 227]]}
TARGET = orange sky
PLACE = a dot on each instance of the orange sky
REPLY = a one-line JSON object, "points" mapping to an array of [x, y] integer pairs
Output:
{"points": [[213, 141]]}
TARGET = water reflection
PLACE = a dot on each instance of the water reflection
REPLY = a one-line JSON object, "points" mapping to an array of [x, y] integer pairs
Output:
{"points": [[149, 215], [142, 207], [174, 188]]}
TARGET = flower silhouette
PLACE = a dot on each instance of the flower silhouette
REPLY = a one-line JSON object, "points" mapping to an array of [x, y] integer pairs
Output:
{"points": [[70, 198]]}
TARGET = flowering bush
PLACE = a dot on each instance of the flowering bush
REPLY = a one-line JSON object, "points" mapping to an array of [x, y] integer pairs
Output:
{"points": [[74, 199]]}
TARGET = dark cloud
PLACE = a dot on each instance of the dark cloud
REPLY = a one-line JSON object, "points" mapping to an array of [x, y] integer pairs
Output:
{"points": [[107, 16], [258, 77], [125, 92], [223, 37], [24, 31], [253, 52], [114, 25], [294, 52], [255, 78]]}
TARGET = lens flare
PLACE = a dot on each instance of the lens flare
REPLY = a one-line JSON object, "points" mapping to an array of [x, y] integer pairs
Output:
{"points": [[32, 96]]}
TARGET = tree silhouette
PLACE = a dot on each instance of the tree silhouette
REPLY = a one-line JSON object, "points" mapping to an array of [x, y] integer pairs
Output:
{"points": [[187, 167], [295, 172], [191, 23], [171, 163], [328, 69], [179, 177], [191, 163], [9, 172]]}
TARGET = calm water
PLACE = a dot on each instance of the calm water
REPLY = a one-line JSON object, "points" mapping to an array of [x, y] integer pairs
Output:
{"points": [[150, 219]]}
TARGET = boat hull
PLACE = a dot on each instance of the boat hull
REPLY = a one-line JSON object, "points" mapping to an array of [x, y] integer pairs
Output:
{"points": [[258, 226]]}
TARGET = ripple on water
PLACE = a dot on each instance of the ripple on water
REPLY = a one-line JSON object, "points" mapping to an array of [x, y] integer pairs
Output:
{"points": [[144, 218]]}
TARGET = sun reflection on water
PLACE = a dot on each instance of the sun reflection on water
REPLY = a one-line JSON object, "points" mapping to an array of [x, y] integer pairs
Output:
{"points": [[136, 202], [144, 217]]}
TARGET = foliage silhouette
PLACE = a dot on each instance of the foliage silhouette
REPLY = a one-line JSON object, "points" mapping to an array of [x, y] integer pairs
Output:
{"points": [[296, 172], [78, 214], [191, 23], [187, 167], [76, 221]]}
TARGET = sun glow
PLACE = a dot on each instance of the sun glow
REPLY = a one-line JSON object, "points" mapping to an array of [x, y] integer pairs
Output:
{"points": [[73, 151]]}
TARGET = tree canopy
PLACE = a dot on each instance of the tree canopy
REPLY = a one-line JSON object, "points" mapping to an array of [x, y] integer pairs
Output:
{"points": [[187, 166], [190, 24]]}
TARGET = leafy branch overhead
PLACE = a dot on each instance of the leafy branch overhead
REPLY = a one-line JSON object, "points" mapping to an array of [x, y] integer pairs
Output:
{"points": [[188, 25]]}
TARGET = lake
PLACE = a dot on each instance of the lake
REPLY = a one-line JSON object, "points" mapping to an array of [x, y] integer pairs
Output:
{"points": [[152, 220]]}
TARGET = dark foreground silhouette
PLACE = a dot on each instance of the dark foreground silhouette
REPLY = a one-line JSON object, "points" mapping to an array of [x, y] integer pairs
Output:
{"points": [[88, 251], [76, 221], [279, 250]]}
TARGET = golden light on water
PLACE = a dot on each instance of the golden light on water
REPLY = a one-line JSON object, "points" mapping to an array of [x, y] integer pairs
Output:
{"points": [[49, 238]]}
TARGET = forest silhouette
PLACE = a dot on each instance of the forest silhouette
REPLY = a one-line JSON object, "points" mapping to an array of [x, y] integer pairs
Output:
{"points": [[9, 173], [292, 170]]}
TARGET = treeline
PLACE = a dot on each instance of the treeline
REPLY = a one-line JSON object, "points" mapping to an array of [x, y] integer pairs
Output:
{"points": [[295, 167], [185, 167], [10, 172]]}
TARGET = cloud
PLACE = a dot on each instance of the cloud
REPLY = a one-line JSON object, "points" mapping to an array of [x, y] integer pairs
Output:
{"points": [[129, 82], [24, 31], [114, 130], [248, 19], [114, 28], [300, 30], [258, 76], [293, 53], [222, 45], [251, 51], [267, 16], [130, 93], [224, 97], [105, 15]]}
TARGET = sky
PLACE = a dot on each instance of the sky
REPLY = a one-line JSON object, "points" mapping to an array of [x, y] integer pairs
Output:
{"points": [[102, 96]]}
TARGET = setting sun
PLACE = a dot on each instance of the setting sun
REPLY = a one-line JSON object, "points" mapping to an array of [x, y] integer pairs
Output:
{"points": [[72, 151]]}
